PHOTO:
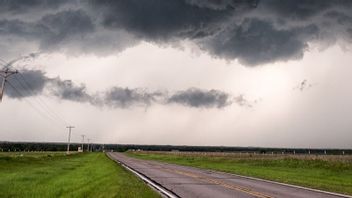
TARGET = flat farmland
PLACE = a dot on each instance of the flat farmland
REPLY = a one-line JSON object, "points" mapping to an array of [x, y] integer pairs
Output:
{"points": [[326, 172]]}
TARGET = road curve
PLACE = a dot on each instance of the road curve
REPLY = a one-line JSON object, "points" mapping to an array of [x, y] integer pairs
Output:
{"points": [[193, 182]]}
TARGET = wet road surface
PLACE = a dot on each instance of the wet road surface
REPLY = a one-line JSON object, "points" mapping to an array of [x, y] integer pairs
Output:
{"points": [[191, 182]]}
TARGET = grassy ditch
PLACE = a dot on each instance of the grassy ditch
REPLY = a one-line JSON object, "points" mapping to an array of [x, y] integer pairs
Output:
{"points": [[54, 174]]}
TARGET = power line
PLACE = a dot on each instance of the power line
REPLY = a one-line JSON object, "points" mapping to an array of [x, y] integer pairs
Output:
{"points": [[45, 111], [5, 73], [42, 102], [30, 104], [26, 85], [41, 109], [28, 88], [4, 62]]}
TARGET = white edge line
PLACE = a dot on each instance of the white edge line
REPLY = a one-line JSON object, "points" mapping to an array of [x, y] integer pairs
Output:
{"points": [[145, 179], [283, 184], [159, 188]]}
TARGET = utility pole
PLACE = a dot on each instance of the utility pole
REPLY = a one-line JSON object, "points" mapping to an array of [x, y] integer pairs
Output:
{"points": [[88, 145], [5, 73], [69, 138], [82, 142]]}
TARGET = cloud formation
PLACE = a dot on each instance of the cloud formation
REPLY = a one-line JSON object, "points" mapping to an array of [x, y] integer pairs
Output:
{"points": [[125, 97], [256, 41], [20, 7], [20, 87], [195, 97], [67, 90], [243, 102], [159, 20], [52, 29], [34, 82], [253, 32]]}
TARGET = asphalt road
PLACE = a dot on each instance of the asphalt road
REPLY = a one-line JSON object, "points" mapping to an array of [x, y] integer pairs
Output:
{"points": [[193, 182]]}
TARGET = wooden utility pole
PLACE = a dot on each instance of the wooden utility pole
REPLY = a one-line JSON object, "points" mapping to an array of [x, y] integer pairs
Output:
{"points": [[88, 145], [69, 138], [5, 73], [83, 142]]}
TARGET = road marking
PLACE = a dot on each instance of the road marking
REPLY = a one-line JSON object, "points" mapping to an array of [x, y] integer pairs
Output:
{"points": [[158, 187], [209, 180], [218, 182], [287, 185], [235, 187], [274, 182]]}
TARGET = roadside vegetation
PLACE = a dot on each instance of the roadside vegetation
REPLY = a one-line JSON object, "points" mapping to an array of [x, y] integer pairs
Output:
{"points": [[325, 172], [54, 174]]}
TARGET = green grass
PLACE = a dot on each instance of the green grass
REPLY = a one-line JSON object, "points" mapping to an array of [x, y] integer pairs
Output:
{"points": [[57, 175], [327, 173]]}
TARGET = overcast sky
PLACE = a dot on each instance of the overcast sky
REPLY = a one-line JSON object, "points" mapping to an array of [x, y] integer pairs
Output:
{"points": [[185, 72]]}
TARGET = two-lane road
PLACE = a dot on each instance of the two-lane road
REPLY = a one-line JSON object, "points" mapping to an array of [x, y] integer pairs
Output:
{"points": [[193, 182]]}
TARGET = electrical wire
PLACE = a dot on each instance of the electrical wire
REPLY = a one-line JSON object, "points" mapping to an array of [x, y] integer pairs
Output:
{"points": [[48, 112], [40, 101], [30, 91], [35, 101], [4, 62], [55, 114], [25, 84], [30, 104]]}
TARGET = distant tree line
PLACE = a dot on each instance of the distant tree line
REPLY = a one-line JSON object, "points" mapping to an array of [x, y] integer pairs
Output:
{"points": [[260, 150], [42, 146], [53, 146]]}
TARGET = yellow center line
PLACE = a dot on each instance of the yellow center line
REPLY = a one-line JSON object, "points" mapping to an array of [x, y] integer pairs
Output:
{"points": [[218, 182]]}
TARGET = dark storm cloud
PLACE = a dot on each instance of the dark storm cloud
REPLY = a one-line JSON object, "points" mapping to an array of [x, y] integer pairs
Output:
{"points": [[67, 90], [51, 30], [223, 4], [64, 26], [194, 97], [20, 6], [340, 18], [35, 82], [256, 41], [125, 97], [160, 20], [350, 32], [253, 32], [119, 97], [198, 98], [302, 9], [28, 83]]}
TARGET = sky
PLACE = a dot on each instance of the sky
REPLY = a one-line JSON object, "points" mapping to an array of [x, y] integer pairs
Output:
{"points": [[178, 72]]}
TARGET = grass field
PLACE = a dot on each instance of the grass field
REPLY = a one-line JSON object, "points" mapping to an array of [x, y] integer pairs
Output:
{"points": [[331, 173], [57, 175]]}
